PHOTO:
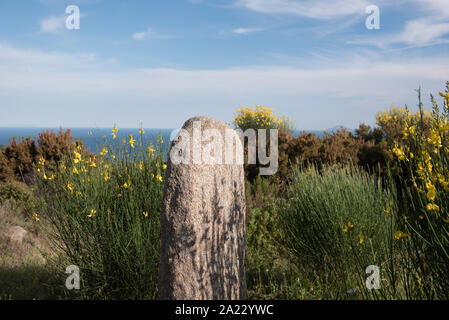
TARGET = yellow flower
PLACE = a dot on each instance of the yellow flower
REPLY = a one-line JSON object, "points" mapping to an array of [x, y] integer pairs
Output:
{"points": [[399, 234], [432, 207], [126, 185], [145, 214], [164, 166], [35, 216], [104, 151], [69, 186], [151, 150], [398, 152], [361, 239], [159, 178], [75, 170], [388, 210], [77, 157], [140, 165], [431, 191], [431, 194], [106, 176], [41, 161], [346, 227], [131, 140], [114, 132], [141, 131], [92, 212]]}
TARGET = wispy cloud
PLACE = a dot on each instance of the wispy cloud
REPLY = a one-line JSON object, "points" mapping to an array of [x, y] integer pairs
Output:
{"points": [[142, 35], [431, 28], [435, 7], [247, 30], [422, 32], [53, 24], [150, 33], [346, 78], [323, 9], [89, 87]]}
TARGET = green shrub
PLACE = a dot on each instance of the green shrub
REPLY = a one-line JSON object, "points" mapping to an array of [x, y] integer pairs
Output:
{"points": [[335, 224], [19, 195], [263, 232], [269, 273], [105, 210]]}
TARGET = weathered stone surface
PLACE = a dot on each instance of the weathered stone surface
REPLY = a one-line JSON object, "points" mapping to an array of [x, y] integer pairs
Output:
{"points": [[16, 234], [203, 225]]}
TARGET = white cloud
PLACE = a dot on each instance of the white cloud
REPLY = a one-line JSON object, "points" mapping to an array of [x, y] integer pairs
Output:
{"points": [[430, 29], [150, 33], [12, 58], [142, 35], [53, 24], [323, 9], [416, 33], [347, 78], [438, 8], [422, 32], [366, 85], [246, 30]]}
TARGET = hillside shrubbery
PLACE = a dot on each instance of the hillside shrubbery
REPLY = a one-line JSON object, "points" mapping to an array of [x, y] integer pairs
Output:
{"points": [[105, 209], [338, 204], [18, 159]]}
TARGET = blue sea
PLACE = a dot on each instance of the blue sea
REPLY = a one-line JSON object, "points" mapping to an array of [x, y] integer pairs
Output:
{"points": [[92, 141]]}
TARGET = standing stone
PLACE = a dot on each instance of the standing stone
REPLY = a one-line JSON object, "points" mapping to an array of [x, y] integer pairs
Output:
{"points": [[203, 216]]}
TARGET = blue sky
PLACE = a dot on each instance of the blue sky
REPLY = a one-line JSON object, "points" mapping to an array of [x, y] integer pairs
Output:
{"points": [[160, 62]]}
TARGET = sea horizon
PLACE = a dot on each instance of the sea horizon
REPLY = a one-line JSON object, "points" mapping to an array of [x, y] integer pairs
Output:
{"points": [[93, 136]]}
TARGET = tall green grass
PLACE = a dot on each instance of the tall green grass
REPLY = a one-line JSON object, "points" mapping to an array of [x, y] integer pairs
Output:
{"points": [[337, 223]]}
